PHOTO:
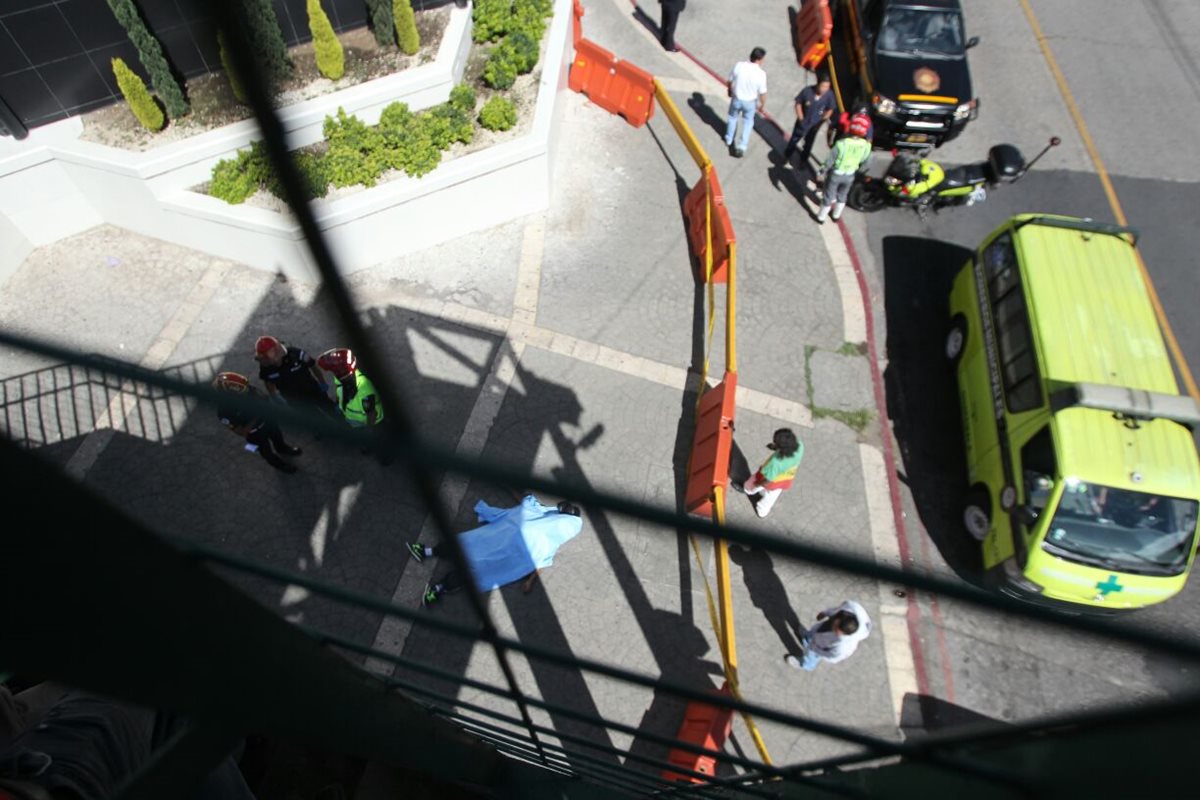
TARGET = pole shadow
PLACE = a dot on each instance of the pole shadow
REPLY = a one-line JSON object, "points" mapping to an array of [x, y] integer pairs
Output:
{"points": [[768, 595]]}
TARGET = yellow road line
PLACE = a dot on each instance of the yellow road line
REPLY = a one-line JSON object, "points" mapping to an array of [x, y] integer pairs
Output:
{"points": [[1109, 192]]}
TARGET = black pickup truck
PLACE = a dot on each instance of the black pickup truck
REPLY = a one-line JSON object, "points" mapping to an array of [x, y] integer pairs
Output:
{"points": [[909, 59]]}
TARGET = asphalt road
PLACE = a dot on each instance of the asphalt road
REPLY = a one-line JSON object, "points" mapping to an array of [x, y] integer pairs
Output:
{"points": [[1132, 69]]}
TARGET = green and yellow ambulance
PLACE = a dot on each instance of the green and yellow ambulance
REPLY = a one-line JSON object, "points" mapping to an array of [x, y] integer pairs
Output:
{"points": [[1083, 473]]}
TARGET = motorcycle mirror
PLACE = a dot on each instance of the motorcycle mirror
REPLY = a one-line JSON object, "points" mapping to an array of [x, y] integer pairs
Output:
{"points": [[1055, 141], [974, 40]]}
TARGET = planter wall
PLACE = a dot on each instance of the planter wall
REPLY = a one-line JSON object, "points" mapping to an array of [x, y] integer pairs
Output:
{"points": [[53, 185]]}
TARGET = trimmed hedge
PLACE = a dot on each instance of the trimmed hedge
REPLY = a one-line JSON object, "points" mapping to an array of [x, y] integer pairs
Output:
{"points": [[267, 38], [150, 53], [382, 24], [498, 114], [138, 97], [331, 59], [406, 26]]}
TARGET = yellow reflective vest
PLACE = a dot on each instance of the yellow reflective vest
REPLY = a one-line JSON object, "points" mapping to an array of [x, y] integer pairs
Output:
{"points": [[352, 409]]}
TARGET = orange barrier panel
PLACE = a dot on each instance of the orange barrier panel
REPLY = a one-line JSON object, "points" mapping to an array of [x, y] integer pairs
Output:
{"points": [[722, 227], [632, 93], [591, 71], [705, 726], [814, 26], [616, 86], [577, 22], [712, 444]]}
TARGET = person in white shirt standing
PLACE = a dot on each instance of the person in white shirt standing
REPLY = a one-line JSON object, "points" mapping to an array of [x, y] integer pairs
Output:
{"points": [[834, 638], [747, 86]]}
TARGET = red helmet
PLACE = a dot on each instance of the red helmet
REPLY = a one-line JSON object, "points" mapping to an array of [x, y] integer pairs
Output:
{"points": [[340, 361], [860, 124], [231, 382], [265, 345]]}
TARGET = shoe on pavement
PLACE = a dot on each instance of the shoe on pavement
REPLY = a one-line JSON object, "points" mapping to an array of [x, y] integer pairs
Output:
{"points": [[792, 661], [288, 450], [738, 152], [417, 551], [432, 593]]}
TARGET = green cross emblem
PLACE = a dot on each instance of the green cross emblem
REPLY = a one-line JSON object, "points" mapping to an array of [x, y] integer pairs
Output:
{"points": [[1109, 585]]}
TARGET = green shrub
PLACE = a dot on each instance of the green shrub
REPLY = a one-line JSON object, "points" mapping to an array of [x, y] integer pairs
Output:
{"points": [[529, 21], [235, 83], [235, 179], [138, 97], [543, 7], [406, 26], [463, 97], [312, 174], [382, 24], [331, 59], [500, 72], [522, 51], [151, 55], [498, 114], [490, 18], [395, 122], [447, 124], [356, 151]]}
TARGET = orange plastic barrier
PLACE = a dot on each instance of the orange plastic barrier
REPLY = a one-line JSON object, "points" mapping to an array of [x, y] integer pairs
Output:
{"points": [[712, 444], [814, 26], [722, 227], [616, 86], [705, 726], [632, 93], [577, 22]]}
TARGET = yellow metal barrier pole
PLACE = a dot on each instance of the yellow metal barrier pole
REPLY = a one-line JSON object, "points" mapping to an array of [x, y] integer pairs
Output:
{"points": [[681, 127], [731, 312], [837, 90], [724, 596]]}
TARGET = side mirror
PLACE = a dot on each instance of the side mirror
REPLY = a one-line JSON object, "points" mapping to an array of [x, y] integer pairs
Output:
{"points": [[1055, 141], [974, 40], [1026, 516]]}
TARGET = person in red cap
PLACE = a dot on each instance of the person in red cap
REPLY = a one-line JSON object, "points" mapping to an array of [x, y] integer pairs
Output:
{"points": [[291, 374], [262, 436]]}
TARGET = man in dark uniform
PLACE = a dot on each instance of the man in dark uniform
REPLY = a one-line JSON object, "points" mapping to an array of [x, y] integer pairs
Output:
{"points": [[670, 16], [814, 105], [291, 374], [262, 437]]}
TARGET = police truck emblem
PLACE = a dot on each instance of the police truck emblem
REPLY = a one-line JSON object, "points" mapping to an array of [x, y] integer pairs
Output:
{"points": [[926, 80]]}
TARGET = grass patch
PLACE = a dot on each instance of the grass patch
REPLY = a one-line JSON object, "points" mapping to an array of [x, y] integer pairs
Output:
{"points": [[808, 353], [852, 349], [857, 420]]}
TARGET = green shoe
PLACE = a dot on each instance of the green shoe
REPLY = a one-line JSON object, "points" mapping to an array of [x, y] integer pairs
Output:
{"points": [[432, 593], [417, 550]]}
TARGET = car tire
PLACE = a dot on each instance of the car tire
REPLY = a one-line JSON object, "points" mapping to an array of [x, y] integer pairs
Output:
{"points": [[956, 339], [977, 512]]}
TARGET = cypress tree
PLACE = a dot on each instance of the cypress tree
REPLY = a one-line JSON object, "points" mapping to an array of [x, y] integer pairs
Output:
{"points": [[381, 21], [331, 59], [138, 97], [267, 38], [235, 83], [406, 26], [151, 55]]}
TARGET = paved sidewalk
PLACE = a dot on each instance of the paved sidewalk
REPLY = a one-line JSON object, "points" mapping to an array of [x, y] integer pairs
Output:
{"points": [[567, 343]]}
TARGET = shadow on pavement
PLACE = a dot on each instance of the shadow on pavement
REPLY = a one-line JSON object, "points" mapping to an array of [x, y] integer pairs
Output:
{"points": [[922, 399], [768, 595]]}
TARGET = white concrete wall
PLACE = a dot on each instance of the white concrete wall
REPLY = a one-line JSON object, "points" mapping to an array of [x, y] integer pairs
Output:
{"points": [[13, 248]]}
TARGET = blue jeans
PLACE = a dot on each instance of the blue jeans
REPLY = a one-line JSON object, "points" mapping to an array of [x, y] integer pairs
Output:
{"points": [[744, 109], [811, 659]]}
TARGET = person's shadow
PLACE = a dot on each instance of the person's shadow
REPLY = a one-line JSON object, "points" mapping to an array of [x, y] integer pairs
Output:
{"points": [[768, 595]]}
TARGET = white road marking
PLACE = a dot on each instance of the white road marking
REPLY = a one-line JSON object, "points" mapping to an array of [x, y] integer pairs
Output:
{"points": [[854, 321], [893, 622]]}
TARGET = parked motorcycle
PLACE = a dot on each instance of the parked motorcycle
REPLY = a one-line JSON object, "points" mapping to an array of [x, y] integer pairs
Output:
{"points": [[959, 186]]}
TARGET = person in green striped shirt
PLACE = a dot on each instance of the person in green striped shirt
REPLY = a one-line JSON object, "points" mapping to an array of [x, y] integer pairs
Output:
{"points": [[777, 472]]}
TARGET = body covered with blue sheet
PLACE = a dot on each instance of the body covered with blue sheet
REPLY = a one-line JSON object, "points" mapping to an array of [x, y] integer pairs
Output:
{"points": [[514, 542]]}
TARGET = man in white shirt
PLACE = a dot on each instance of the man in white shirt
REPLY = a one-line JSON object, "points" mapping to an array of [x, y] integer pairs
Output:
{"points": [[747, 86], [834, 638]]}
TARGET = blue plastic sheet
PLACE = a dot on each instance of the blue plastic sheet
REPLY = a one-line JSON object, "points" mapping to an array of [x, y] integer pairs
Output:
{"points": [[514, 542]]}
